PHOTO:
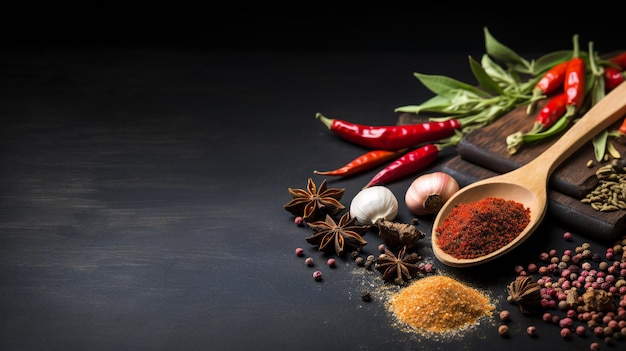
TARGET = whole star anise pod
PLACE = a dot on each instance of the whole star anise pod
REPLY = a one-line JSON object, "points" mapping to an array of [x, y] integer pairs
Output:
{"points": [[525, 292], [313, 203], [329, 235], [398, 269]]}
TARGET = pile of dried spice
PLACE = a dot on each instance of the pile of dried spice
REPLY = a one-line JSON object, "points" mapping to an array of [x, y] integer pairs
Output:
{"points": [[476, 229], [439, 304]]}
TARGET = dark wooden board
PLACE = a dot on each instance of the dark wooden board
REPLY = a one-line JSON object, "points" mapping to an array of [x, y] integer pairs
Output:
{"points": [[482, 153]]}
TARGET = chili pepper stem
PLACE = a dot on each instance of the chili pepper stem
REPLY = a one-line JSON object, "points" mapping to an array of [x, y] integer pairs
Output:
{"points": [[537, 95], [325, 120]]}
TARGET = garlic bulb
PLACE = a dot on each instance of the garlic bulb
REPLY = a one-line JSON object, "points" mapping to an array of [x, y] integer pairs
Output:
{"points": [[373, 203], [428, 192]]}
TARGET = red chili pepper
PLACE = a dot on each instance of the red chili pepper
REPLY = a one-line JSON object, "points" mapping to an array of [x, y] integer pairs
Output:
{"points": [[619, 59], [551, 112], [613, 77], [552, 79], [622, 127], [574, 84], [408, 163], [362, 163], [391, 137]]}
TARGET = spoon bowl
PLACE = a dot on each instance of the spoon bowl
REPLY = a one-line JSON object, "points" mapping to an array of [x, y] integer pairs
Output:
{"points": [[528, 184]]}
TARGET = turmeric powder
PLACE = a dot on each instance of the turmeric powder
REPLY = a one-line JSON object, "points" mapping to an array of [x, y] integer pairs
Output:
{"points": [[439, 304]]}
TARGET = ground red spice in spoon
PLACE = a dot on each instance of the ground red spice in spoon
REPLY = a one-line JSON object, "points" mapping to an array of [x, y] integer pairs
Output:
{"points": [[478, 228]]}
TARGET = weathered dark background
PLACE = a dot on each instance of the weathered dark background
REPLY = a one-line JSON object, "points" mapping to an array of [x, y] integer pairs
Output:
{"points": [[146, 152]]}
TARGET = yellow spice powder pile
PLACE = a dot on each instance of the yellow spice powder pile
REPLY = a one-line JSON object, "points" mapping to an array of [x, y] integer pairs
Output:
{"points": [[439, 304]]}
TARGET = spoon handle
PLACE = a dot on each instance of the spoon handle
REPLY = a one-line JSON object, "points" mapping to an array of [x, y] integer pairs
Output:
{"points": [[599, 117]]}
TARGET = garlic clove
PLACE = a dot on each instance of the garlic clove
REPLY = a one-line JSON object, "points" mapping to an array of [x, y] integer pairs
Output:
{"points": [[428, 192], [373, 203]]}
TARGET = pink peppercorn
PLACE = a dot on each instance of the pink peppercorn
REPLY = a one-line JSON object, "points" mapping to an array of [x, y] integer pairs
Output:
{"points": [[581, 330], [571, 313], [598, 331], [568, 236], [299, 221], [531, 330], [594, 346], [565, 332], [317, 275], [566, 322], [299, 251], [309, 261], [331, 262], [429, 268]]}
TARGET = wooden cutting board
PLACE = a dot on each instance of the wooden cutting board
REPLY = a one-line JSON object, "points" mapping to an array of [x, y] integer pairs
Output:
{"points": [[482, 154]]}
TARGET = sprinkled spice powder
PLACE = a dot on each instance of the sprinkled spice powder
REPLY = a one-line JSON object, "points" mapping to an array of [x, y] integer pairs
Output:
{"points": [[479, 228], [439, 304]]}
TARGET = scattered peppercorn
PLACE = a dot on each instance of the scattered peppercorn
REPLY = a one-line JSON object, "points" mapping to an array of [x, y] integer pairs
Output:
{"points": [[317, 275], [503, 330], [531, 330], [299, 221], [583, 288], [505, 315], [565, 333], [568, 236], [299, 252], [369, 261], [366, 296], [309, 261], [331, 262]]}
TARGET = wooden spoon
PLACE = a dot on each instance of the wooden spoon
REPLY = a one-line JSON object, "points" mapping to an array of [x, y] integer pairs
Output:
{"points": [[528, 184]]}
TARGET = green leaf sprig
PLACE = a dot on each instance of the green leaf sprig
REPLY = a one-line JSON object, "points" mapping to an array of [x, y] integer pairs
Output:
{"points": [[500, 89]]}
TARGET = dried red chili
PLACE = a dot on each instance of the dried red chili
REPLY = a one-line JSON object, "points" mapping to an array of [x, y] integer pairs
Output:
{"points": [[551, 80], [362, 163], [622, 127], [408, 163], [612, 78], [476, 229], [550, 113], [574, 84], [393, 137]]}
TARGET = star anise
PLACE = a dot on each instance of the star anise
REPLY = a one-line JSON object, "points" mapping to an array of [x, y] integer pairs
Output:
{"points": [[398, 269], [525, 292], [313, 203], [329, 235]]}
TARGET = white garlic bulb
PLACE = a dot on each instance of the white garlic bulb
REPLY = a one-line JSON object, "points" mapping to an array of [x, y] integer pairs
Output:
{"points": [[373, 203], [428, 192]]}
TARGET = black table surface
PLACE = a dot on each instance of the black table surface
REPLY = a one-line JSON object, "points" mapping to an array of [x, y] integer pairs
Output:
{"points": [[142, 193]]}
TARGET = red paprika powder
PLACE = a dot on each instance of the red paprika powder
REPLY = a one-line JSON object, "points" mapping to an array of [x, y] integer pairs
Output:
{"points": [[479, 228]]}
